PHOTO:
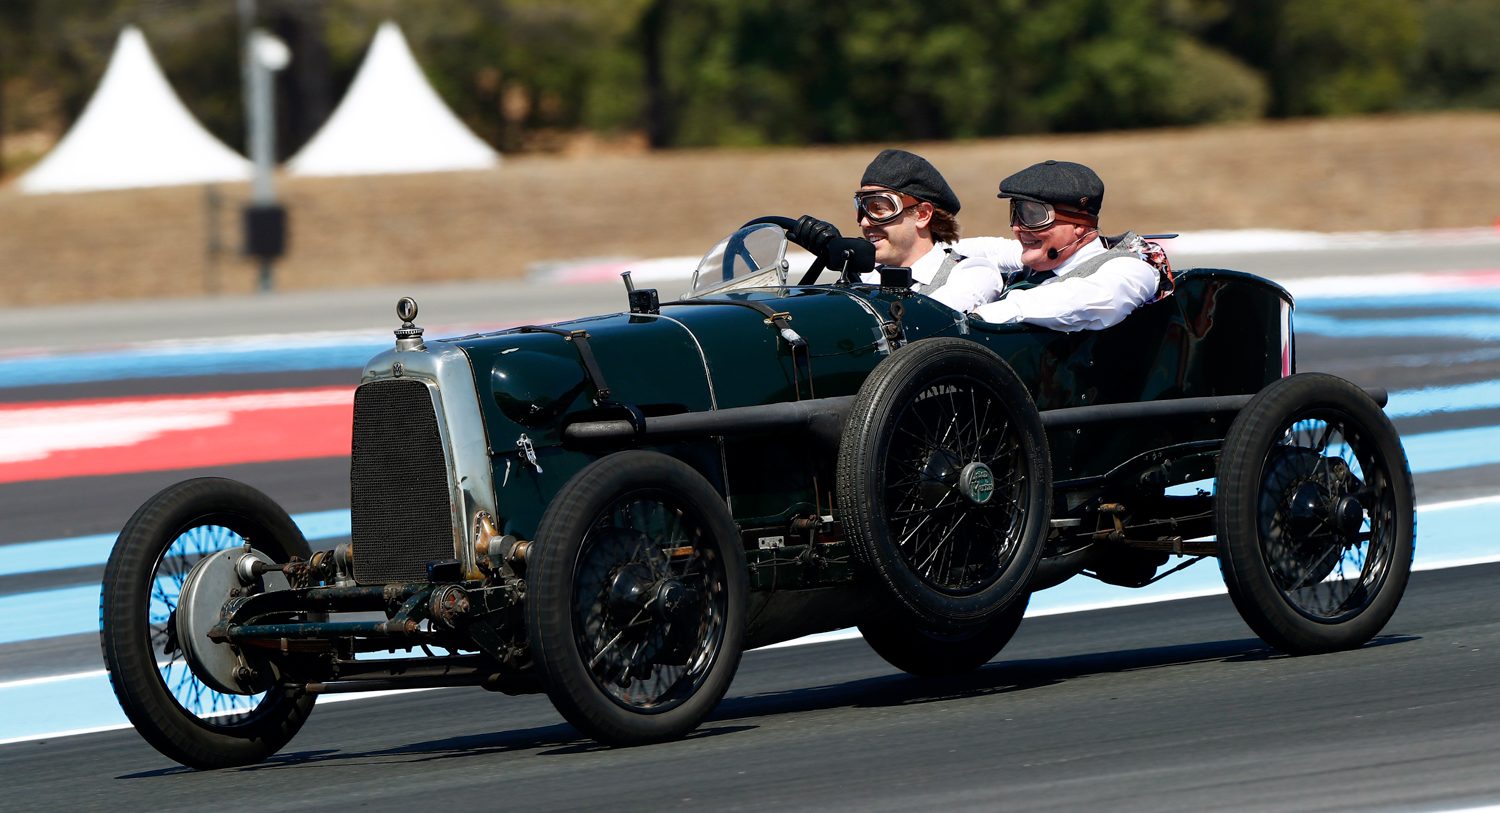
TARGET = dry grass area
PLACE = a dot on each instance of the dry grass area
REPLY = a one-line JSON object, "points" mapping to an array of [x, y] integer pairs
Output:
{"points": [[1381, 173]]}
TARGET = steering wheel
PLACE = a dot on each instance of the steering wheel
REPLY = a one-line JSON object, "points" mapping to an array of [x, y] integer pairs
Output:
{"points": [[787, 224]]}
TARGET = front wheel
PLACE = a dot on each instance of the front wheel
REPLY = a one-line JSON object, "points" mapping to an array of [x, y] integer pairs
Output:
{"points": [[179, 712], [636, 609], [1315, 515]]}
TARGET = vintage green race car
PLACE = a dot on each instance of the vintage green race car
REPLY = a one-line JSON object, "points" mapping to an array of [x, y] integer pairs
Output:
{"points": [[612, 509]]}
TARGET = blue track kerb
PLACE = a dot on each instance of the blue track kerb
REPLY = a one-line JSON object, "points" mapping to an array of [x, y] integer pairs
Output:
{"points": [[181, 362]]}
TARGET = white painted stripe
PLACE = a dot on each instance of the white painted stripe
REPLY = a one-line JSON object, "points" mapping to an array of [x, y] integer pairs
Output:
{"points": [[99, 673], [42, 681], [74, 732], [845, 634], [1381, 285], [34, 433], [1465, 503]]}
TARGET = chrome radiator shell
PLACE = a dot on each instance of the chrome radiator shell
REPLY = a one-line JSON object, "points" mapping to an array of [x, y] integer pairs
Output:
{"points": [[419, 465]]}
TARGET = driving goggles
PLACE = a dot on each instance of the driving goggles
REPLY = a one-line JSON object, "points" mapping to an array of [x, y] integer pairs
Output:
{"points": [[1034, 215], [881, 206]]}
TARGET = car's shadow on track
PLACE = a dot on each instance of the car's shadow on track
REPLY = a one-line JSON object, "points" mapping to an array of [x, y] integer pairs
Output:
{"points": [[1000, 677], [475, 745], [894, 689], [549, 740]]}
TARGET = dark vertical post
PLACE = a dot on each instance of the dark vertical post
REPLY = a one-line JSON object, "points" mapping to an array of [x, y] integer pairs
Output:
{"points": [[2, 108], [653, 31], [265, 218], [213, 204]]}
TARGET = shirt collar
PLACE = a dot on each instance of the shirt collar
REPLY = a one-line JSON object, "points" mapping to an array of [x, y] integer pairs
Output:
{"points": [[924, 269]]}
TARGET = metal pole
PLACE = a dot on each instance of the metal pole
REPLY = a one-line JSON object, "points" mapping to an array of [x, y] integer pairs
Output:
{"points": [[262, 139], [265, 219], [262, 116]]}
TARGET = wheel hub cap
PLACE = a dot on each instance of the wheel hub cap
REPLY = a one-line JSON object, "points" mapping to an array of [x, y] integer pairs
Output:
{"points": [[1349, 515], [675, 601], [977, 483]]}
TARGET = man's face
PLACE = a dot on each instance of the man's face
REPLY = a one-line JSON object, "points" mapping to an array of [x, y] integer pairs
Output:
{"points": [[1064, 238], [898, 242]]}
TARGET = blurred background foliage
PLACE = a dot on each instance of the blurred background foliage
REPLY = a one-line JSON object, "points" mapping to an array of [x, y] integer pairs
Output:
{"points": [[541, 74]]}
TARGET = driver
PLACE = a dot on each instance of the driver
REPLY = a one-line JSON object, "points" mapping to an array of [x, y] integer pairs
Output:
{"points": [[1060, 274], [906, 209]]}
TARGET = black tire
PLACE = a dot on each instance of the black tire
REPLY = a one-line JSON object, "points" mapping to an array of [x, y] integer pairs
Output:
{"points": [[1315, 515], [172, 708], [917, 650], [619, 539], [928, 416]]}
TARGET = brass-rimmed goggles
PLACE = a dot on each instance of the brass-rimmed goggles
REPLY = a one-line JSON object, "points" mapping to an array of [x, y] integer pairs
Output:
{"points": [[1034, 215], [880, 205]]}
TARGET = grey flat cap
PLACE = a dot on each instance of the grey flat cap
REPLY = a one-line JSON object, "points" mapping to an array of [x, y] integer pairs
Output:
{"points": [[911, 173], [1060, 183]]}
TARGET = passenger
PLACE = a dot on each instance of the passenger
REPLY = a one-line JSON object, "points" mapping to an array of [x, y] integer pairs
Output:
{"points": [[1059, 273], [907, 210]]}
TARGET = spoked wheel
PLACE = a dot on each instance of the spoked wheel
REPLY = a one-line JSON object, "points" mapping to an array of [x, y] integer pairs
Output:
{"points": [[918, 650], [636, 610], [1315, 515], [944, 482], [185, 715]]}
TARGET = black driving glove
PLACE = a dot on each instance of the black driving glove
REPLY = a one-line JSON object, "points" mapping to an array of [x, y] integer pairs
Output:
{"points": [[813, 234]]}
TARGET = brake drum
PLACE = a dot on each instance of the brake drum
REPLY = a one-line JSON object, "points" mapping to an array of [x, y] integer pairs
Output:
{"points": [[204, 592]]}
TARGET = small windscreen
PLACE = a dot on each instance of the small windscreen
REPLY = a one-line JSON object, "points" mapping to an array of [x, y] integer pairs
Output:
{"points": [[752, 257]]}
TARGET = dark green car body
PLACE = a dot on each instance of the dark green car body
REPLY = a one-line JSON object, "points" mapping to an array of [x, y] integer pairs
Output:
{"points": [[1222, 333]]}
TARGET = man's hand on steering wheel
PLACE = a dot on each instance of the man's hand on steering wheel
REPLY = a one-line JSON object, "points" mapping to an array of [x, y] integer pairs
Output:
{"points": [[813, 234]]}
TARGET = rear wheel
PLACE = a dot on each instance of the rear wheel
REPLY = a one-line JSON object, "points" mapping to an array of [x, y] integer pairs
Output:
{"points": [[1315, 515], [636, 608], [944, 482], [180, 713], [918, 650]]}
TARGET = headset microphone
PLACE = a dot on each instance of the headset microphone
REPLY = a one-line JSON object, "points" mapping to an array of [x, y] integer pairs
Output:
{"points": [[1053, 253]]}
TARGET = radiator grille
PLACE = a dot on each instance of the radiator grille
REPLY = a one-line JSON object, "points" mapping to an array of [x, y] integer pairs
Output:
{"points": [[402, 518]]}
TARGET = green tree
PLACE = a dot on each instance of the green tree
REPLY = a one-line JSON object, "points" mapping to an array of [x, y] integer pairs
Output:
{"points": [[749, 72], [1459, 63], [1325, 56]]}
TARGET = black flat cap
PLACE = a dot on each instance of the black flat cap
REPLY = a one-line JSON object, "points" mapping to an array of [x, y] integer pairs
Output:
{"points": [[1060, 183], [911, 173]]}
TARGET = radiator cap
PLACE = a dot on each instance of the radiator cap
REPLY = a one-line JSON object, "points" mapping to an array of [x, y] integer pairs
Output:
{"points": [[408, 336]]}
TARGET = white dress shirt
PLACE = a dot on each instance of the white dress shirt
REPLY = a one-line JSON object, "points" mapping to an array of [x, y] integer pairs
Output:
{"points": [[1094, 302], [971, 283]]}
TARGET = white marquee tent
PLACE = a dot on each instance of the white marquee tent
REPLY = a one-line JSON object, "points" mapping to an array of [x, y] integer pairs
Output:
{"points": [[134, 132], [391, 121]]}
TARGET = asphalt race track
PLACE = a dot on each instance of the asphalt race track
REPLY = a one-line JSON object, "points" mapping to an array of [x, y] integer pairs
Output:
{"points": [[1166, 705], [1162, 707]]}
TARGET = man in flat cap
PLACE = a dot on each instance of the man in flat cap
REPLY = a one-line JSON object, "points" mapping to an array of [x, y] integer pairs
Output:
{"points": [[1059, 273], [906, 209]]}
